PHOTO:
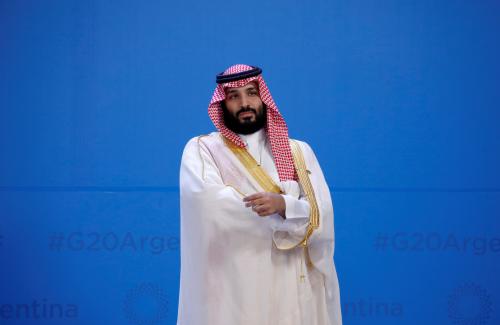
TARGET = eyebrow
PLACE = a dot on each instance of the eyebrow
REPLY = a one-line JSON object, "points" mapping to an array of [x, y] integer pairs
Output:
{"points": [[252, 87]]}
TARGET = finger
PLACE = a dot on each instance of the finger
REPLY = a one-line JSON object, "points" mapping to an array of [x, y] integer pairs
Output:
{"points": [[261, 208], [259, 201], [253, 196], [251, 204], [256, 208]]}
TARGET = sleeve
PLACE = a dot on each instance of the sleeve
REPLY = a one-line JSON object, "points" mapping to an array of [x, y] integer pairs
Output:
{"points": [[295, 202], [321, 243], [291, 231], [205, 197], [296, 211], [215, 228]]}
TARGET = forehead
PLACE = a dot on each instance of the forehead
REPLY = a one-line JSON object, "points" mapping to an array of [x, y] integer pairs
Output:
{"points": [[250, 85]]}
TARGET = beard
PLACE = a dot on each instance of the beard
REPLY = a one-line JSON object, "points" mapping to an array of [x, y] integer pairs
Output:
{"points": [[246, 126]]}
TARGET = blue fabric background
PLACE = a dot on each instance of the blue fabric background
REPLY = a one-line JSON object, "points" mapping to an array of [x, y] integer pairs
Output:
{"points": [[399, 100]]}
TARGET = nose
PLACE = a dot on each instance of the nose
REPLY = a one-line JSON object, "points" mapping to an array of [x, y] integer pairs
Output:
{"points": [[244, 101]]}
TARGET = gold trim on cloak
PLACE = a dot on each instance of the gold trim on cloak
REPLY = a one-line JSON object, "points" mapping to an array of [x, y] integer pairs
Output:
{"points": [[267, 183], [303, 173], [257, 172]]}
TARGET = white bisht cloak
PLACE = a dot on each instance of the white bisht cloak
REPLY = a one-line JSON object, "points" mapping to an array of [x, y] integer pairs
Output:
{"points": [[232, 270]]}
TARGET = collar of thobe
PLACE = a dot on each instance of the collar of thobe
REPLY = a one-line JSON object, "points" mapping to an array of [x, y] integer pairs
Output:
{"points": [[255, 142]]}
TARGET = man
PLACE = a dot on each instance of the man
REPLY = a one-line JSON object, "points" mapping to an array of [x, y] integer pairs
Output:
{"points": [[257, 236]]}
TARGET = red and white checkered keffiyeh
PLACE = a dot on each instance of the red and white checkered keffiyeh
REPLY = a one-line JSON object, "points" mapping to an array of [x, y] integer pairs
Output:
{"points": [[276, 128]]}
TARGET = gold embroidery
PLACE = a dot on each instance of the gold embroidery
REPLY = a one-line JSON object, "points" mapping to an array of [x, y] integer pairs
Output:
{"points": [[264, 180], [237, 190], [267, 183], [302, 172], [305, 182]]}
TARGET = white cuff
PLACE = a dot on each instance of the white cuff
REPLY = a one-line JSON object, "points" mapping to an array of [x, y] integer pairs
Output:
{"points": [[295, 208]]}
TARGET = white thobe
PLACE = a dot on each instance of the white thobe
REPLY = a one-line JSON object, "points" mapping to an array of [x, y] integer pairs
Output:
{"points": [[232, 268]]}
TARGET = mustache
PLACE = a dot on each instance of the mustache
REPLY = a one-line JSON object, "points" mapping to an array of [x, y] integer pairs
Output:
{"points": [[246, 109]]}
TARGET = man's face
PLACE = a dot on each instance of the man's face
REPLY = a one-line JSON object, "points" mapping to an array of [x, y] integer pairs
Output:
{"points": [[244, 111]]}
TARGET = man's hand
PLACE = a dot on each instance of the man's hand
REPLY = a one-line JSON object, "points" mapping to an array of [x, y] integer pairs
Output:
{"points": [[266, 203]]}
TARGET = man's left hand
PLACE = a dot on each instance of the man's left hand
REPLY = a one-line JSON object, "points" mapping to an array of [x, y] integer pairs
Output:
{"points": [[266, 203]]}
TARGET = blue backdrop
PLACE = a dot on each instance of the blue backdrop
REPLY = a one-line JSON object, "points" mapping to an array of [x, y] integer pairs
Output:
{"points": [[399, 99]]}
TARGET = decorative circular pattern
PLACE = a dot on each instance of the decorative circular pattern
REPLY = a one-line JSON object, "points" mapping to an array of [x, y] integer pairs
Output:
{"points": [[469, 304], [146, 304]]}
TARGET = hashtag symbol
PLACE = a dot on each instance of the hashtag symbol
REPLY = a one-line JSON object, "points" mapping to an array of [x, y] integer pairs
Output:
{"points": [[56, 241], [380, 242]]}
